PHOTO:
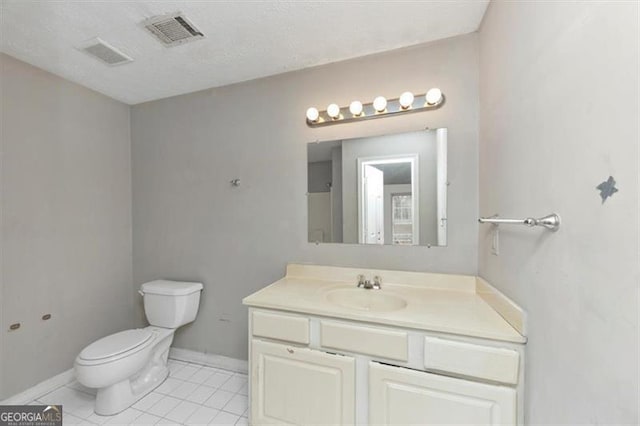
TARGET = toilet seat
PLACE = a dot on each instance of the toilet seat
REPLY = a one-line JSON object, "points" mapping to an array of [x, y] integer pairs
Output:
{"points": [[116, 346]]}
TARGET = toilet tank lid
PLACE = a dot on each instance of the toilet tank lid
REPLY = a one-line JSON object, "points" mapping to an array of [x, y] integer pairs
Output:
{"points": [[171, 288]]}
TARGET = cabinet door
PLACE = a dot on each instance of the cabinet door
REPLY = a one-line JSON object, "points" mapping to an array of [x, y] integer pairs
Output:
{"points": [[399, 396], [300, 386]]}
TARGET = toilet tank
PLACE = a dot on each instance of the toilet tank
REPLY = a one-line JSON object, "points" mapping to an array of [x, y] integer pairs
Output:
{"points": [[171, 304]]}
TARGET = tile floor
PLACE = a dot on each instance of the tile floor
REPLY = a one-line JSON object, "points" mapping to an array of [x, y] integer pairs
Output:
{"points": [[192, 395]]}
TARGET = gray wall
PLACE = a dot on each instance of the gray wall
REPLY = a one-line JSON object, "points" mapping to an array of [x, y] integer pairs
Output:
{"points": [[66, 222], [559, 114], [318, 176], [422, 143], [190, 223]]}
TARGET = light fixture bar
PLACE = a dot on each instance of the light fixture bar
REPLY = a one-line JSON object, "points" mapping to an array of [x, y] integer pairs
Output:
{"points": [[334, 114]]}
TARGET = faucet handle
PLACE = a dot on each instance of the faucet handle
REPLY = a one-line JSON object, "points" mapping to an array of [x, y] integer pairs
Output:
{"points": [[377, 282], [361, 280]]}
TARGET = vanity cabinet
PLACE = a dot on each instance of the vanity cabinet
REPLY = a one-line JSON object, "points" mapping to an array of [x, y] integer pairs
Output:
{"points": [[425, 349], [401, 396], [299, 386], [309, 370]]}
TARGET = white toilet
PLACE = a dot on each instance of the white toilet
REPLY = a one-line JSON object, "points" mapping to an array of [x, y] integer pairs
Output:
{"points": [[125, 366]]}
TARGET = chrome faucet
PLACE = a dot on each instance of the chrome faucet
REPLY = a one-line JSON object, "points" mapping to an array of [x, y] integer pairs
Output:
{"points": [[368, 285]]}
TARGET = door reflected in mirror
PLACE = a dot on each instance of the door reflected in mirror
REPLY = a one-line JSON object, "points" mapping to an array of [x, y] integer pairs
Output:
{"points": [[388, 189]]}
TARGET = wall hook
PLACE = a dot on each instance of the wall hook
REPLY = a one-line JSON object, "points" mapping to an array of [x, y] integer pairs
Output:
{"points": [[235, 182]]}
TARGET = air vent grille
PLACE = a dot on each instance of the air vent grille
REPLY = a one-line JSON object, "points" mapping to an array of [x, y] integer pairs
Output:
{"points": [[105, 52], [172, 30]]}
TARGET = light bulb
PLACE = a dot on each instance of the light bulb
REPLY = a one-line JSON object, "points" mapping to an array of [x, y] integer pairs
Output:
{"points": [[355, 108], [380, 103], [406, 100], [313, 114], [434, 96], [333, 110]]}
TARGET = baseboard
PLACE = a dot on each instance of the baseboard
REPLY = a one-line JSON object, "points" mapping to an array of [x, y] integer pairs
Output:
{"points": [[211, 360], [40, 389]]}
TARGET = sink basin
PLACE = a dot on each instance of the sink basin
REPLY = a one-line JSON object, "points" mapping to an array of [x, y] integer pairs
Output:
{"points": [[366, 300]]}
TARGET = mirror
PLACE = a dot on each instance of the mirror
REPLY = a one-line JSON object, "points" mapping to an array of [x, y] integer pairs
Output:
{"points": [[388, 189]]}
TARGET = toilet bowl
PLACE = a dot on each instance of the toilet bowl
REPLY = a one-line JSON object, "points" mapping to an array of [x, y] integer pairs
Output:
{"points": [[127, 365]]}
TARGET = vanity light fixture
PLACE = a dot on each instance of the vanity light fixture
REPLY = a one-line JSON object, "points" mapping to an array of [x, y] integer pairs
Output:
{"points": [[380, 103], [406, 100], [333, 111], [355, 108], [380, 107], [313, 114], [433, 96]]}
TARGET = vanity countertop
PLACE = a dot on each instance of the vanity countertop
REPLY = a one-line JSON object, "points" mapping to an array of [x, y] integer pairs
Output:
{"points": [[456, 304]]}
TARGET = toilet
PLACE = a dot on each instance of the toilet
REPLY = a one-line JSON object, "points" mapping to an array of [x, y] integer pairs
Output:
{"points": [[126, 366]]}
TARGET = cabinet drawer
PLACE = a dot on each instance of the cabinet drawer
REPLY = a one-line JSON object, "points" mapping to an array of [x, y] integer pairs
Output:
{"points": [[380, 342], [484, 362], [280, 327]]}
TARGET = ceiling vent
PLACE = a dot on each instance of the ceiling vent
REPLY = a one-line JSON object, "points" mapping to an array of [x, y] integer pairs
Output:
{"points": [[102, 50], [173, 29]]}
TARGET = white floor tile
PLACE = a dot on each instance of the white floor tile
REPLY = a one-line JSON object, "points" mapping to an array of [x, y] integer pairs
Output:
{"points": [[186, 372], [201, 394], [225, 419], [242, 421], [99, 420], [148, 401], [85, 411], [202, 375], [219, 399], [179, 400], [125, 418], [217, 379], [174, 368], [184, 390], [73, 401], [234, 384], [237, 405], [244, 390], [147, 419], [163, 406], [182, 411], [202, 416], [168, 422], [70, 419], [168, 386]]}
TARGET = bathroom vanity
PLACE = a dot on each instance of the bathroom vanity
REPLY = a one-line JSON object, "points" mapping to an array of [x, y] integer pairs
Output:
{"points": [[423, 349]]}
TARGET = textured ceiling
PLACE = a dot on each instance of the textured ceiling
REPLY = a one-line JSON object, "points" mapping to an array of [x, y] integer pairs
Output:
{"points": [[244, 40]]}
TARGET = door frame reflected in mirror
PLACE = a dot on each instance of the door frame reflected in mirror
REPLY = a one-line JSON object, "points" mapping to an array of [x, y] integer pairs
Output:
{"points": [[363, 211]]}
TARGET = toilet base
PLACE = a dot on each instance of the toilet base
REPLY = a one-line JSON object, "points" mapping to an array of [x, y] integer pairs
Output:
{"points": [[118, 397]]}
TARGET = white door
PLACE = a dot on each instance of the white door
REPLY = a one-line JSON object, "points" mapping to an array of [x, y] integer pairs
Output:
{"points": [[373, 216], [400, 396], [299, 386]]}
